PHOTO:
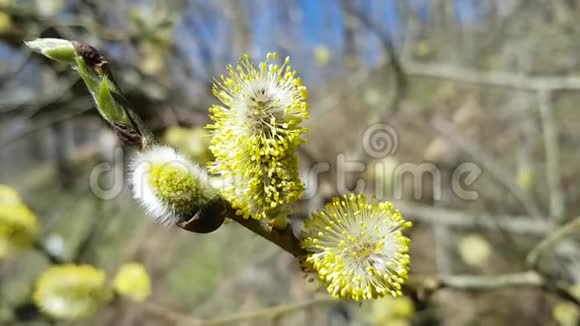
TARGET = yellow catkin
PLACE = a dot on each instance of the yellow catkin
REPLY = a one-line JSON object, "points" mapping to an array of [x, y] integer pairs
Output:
{"points": [[71, 292], [255, 134], [133, 281], [357, 248], [19, 226]]}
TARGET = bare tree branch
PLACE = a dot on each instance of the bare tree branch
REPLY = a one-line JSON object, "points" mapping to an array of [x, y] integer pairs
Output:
{"points": [[389, 46], [529, 279], [551, 148], [491, 78], [236, 318], [495, 170], [473, 220], [551, 241]]}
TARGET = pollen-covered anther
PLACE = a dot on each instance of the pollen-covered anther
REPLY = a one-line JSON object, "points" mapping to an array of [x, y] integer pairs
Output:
{"points": [[358, 248], [168, 185]]}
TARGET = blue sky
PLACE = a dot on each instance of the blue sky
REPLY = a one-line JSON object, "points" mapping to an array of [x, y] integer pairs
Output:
{"points": [[314, 23]]}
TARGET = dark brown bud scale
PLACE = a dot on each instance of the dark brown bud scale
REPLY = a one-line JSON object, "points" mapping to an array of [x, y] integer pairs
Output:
{"points": [[209, 217], [128, 135], [90, 55]]}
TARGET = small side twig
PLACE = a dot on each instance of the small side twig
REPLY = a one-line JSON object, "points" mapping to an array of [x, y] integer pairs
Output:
{"points": [[551, 241], [271, 312], [474, 282], [46, 253]]}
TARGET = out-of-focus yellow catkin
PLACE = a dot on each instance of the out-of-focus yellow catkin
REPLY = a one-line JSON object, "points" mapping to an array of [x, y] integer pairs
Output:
{"points": [[9, 196], [392, 311], [71, 292], [566, 313], [322, 55], [525, 178], [133, 281], [474, 250], [19, 227]]}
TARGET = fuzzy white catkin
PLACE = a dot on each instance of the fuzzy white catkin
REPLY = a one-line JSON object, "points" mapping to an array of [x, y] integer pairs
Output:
{"points": [[159, 207]]}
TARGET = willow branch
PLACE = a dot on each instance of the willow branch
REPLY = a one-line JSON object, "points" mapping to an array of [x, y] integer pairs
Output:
{"points": [[93, 68], [282, 238]]}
